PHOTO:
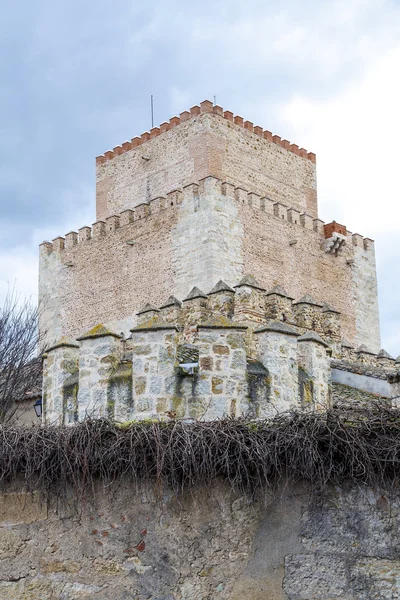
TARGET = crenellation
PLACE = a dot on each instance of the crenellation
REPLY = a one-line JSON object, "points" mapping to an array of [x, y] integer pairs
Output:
{"points": [[254, 200], [154, 132], [84, 234], [196, 359], [99, 229], [147, 313], [112, 223], [45, 247], [221, 300], [184, 116], [307, 222], [308, 313], [365, 355], [319, 226], [174, 197], [206, 106], [369, 244], [157, 204], [281, 211], [58, 243], [142, 211], [267, 204], [293, 216], [195, 110], [71, 239], [126, 217], [267, 135], [357, 240], [228, 115], [311, 156], [313, 358], [212, 203], [241, 195], [279, 306]]}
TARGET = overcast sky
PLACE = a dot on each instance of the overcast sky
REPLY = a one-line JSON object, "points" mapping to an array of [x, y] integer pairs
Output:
{"points": [[76, 79]]}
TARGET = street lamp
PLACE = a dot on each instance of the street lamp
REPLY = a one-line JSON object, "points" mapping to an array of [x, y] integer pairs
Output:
{"points": [[38, 406]]}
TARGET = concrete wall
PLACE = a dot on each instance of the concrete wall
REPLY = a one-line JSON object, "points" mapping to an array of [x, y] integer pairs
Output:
{"points": [[209, 544]]}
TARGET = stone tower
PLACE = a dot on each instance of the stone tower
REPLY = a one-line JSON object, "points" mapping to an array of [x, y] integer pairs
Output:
{"points": [[203, 198]]}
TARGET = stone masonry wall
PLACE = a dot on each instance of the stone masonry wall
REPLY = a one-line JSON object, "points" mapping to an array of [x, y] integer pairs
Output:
{"points": [[209, 544], [207, 232], [205, 144]]}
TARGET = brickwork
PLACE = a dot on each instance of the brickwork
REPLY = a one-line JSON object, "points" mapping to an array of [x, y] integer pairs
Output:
{"points": [[206, 144], [208, 232]]}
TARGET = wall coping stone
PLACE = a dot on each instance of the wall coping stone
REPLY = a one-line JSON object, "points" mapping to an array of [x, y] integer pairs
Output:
{"points": [[194, 293], [63, 342], [250, 281], [278, 327], [147, 308], [98, 331], [307, 299], [312, 336], [278, 290], [171, 301], [221, 286]]}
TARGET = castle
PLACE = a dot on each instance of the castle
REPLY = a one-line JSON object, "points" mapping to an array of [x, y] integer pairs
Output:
{"points": [[208, 286]]}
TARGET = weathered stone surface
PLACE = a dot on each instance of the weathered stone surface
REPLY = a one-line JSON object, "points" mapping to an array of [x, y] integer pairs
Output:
{"points": [[208, 544], [204, 232]]}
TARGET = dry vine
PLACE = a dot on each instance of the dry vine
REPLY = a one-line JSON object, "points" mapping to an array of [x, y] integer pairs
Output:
{"points": [[361, 447]]}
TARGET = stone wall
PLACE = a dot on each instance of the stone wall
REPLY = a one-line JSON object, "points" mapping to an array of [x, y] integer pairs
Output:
{"points": [[210, 544], [205, 144], [207, 232]]}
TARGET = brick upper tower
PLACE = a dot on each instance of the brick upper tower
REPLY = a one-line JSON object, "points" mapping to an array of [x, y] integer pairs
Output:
{"points": [[205, 141], [205, 197]]}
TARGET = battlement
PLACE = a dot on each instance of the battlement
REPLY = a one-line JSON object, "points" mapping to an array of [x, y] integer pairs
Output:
{"points": [[235, 351], [171, 201], [206, 107]]}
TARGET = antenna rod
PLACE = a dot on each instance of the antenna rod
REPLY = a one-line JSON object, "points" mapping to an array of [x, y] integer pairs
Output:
{"points": [[152, 111]]}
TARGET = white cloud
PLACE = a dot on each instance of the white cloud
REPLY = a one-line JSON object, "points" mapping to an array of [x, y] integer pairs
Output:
{"points": [[355, 136]]}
